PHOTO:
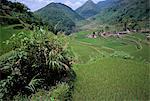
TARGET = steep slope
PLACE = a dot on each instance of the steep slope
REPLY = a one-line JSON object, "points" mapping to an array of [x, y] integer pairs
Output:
{"points": [[56, 9], [105, 4], [114, 11], [60, 16], [88, 9], [17, 14]]}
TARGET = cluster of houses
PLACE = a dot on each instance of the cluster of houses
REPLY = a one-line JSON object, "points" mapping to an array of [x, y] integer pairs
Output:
{"points": [[107, 34]]}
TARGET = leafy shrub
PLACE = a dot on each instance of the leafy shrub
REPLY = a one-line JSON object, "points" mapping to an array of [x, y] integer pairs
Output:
{"points": [[39, 60], [21, 97], [60, 92], [41, 95], [121, 54], [57, 93]]}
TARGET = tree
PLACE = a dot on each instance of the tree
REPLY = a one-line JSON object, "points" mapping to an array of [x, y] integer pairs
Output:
{"points": [[126, 21], [19, 7], [107, 28]]}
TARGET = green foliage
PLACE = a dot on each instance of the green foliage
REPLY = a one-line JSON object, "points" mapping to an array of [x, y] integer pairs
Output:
{"points": [[107, 28], [20, 97], [57, 93], [5, 86], [34, 83], [60, 92], [17, 13], [39, 60], [5, 34], [41, 95]]}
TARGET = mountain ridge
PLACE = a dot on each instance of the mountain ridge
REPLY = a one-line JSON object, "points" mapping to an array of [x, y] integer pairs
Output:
{"points": [[61, 15], [88, 9], [69, 11], [120, 9], [119, 12], [104, 12]]}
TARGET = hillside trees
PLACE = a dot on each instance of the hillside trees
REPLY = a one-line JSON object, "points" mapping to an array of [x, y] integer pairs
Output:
{"points": [[61, 17], [107, 28], [114, 12], [15, 13], [130, 24]]}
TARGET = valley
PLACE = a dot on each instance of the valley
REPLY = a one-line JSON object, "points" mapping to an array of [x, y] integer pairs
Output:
{"points": [[97, 52]]}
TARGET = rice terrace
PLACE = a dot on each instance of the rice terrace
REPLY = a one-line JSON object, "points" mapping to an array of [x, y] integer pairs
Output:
{"points": [[60, 51]]}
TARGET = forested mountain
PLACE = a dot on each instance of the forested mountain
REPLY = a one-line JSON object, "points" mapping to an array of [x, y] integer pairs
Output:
{"points": [[88, 9], [60, 16], [56, 8], [119, 11], [133, 13]]}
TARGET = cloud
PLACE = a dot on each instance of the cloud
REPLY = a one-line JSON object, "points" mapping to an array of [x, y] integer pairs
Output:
{"points": [[73, 5], [35, 4]]}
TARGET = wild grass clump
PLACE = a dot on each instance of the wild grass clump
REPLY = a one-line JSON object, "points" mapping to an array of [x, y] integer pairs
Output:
{"points": [[57, 93], [40, 60]]}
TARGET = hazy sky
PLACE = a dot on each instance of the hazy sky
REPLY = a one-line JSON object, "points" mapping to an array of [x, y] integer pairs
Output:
{"points": [[36, 4]]}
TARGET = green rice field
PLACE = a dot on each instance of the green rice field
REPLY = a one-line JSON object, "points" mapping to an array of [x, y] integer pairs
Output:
{"points": [[101, 77]]}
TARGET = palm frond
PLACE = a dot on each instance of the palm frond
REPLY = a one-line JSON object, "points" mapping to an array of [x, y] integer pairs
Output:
{"points": [[33, 83]]}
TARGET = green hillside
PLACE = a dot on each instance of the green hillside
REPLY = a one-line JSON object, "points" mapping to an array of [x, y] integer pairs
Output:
{"points": [[120, 11], [61, 15], [15, 13], [134, 14], [52, 8], [88, 9]]}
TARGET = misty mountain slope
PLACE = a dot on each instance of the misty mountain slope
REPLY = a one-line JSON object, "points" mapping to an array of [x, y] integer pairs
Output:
{"points": [[88, 9]]}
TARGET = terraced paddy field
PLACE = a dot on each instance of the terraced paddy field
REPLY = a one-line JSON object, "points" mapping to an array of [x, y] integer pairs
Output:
{"points": [[102, 76], [111, 79]]}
